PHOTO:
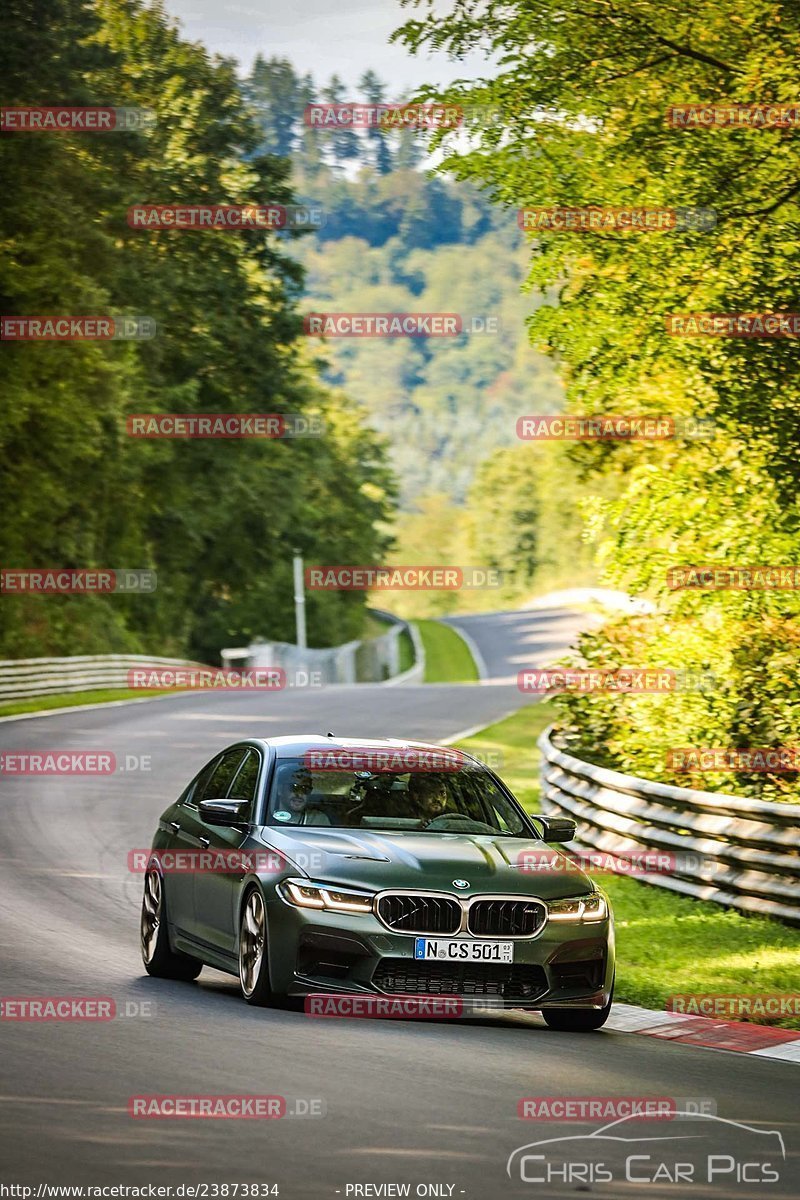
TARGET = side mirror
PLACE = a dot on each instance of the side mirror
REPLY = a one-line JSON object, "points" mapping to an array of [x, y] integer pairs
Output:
{"points": [[557, 829], [224, 812]]}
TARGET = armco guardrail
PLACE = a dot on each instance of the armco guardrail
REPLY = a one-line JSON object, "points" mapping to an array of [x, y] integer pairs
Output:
{"points": [[415, 673], [376, 659], [371, 660], [735, 851], [23, 678]]}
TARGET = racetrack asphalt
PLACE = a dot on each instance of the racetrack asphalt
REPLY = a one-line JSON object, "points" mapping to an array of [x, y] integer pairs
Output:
{"points": [[406, 1102]]}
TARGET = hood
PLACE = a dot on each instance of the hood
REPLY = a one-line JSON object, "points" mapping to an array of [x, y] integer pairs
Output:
{"points": [[379, 861]]}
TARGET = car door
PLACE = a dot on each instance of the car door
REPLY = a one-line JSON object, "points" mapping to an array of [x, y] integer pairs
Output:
{"points": [[183, 835], [192, 834], [216, 892]]}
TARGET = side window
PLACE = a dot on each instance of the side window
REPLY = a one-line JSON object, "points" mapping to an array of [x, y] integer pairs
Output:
{"points": [[244, 785], [506, 817], [215, 785], [195, 789]]}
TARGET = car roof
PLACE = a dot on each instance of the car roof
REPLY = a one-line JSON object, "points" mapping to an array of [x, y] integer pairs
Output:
{"points": [[292, 746]]}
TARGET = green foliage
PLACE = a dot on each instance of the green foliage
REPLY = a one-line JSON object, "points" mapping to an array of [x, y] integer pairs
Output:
{"points": [[742, 645], [432, 534], [523, 521], [217, 520], [444, 403], [400, 240], [580, 98], [507, 499]]}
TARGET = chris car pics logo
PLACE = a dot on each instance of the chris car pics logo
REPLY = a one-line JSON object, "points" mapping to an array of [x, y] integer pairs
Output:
{"points": [[695, 1148]]}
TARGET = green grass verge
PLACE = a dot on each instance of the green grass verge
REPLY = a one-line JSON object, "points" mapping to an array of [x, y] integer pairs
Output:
{"points": [[70, 699], [665, 943], [406, 653], [447, 656]]}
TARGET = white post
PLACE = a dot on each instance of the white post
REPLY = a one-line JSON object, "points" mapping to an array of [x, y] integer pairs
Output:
{"points": [[299, 600]]}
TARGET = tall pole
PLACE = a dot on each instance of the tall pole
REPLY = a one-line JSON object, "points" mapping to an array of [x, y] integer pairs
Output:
{"points": [[299, 600]]}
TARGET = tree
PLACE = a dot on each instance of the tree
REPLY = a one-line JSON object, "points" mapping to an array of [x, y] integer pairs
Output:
{"points": [[504, 508], [581, 100], [276, 93], [374, 92], [342, 143], [216, 520]]}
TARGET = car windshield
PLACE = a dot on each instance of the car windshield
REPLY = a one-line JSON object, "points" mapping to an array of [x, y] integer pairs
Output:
{"points": [[462, 800]]}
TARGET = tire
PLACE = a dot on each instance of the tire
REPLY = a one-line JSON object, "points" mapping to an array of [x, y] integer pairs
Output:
{"points": [[158, 957], [253, 959], [578, 1020]]}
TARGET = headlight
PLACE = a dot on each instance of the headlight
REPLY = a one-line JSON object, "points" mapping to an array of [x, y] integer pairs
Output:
{"points": [[304, 894], [579, 908]]}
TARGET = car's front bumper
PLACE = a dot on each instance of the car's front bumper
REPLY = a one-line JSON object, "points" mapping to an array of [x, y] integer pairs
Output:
{"points": [[313, 951]]}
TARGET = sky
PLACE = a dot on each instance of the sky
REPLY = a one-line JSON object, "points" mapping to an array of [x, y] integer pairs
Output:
{"points": [[344, 37]]}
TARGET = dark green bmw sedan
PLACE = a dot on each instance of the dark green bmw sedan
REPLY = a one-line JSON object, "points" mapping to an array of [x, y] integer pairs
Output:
{"points": [[309, 865]]}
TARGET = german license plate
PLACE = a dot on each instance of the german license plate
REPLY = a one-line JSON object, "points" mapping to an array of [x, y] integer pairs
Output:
{"points": [[463, 950]]}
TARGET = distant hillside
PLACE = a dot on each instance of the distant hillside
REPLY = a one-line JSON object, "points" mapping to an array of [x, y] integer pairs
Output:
{"points": [[396, 240]]}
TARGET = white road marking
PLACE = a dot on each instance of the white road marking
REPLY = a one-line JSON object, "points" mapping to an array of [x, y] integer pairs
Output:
{"points": [[241, 717]]}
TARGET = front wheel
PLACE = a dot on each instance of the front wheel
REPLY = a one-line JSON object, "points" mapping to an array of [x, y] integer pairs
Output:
{"points": [[578, 1020], [253, 964], [158, 957]]}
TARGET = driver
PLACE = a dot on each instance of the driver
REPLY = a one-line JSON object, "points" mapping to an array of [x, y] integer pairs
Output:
{"points": [[428, 795], [293, 794]]}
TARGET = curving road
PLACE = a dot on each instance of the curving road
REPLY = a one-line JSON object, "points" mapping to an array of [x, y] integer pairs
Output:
{"points": [[505, 643], [414, 1103]]}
